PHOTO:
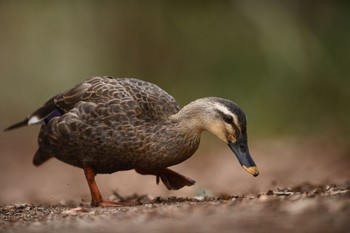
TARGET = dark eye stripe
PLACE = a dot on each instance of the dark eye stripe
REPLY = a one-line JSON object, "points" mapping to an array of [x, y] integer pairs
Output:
{"points": [[237, 131], [228, 119]]}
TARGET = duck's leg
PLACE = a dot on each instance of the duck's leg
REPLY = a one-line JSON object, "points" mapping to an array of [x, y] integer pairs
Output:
{"points": [[96, 197]]}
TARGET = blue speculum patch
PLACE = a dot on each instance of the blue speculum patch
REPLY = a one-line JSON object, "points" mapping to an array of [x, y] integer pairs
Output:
{"points": [[53, 114]]}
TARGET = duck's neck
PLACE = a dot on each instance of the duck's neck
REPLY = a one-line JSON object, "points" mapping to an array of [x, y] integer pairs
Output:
{"points": [[180, 136], [192, 118]]}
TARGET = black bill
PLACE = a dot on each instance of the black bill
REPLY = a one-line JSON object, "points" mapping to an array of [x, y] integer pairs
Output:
{"points": [[240, 148]]}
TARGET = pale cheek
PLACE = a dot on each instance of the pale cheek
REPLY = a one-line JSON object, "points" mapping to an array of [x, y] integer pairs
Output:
{"points": [[218, 131]]}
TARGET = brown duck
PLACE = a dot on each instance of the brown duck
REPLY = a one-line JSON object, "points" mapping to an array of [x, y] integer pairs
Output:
{"points": [[106, 124]]}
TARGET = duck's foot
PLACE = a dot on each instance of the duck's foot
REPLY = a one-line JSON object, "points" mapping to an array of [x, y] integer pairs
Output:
{"points": [[172, 180], [96, 197]]}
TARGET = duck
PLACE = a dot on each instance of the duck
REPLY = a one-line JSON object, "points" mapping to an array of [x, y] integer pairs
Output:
{"points": [[105, 125]]}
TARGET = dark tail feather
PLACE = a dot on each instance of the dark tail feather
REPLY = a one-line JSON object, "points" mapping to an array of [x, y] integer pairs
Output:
{"points": [[40, 157], [18, 125], [44, 113]]}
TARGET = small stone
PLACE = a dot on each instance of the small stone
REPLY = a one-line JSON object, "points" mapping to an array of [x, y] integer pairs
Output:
{"points": [[9, 207], [250, 197], [283, 193], [75, 211], [145, 199], [264, 198], [22, 205], [199, 198], [269, 192]]}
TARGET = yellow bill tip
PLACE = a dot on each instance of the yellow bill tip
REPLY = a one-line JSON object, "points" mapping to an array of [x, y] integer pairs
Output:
{"points": [[252, 170]]}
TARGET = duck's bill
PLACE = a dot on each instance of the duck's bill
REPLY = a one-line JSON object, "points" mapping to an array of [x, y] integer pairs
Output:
{"points": [[240, 149]]}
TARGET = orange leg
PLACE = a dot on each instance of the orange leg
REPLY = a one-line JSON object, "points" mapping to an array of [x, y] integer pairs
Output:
{"points": [[96, 197]]}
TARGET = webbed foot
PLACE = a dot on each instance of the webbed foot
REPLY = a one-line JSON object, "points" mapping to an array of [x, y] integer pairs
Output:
{"points": [[172, 180]]}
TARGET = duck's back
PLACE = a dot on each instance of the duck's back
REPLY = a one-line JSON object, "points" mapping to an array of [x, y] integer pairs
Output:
{"points": [[104, 122], [153, 101]]}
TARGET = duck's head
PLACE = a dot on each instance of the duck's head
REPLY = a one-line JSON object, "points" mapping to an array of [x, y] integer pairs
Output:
{"points": [[227, 121]]}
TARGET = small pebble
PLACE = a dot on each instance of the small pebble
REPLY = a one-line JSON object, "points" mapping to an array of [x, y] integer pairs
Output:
{"points": [[75, 211], [269, 192]]}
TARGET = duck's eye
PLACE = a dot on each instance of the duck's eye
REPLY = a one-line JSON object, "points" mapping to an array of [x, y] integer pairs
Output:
{"points": [[228, 119]]}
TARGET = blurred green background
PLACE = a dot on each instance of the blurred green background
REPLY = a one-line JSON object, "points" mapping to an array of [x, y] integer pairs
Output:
{"points": [[285, 62]]}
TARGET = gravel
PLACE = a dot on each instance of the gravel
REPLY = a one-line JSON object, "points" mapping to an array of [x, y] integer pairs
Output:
{"points": [[302, 208]]}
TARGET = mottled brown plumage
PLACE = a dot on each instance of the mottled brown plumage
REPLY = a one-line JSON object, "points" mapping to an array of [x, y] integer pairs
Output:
{"points": [[106, 124]]}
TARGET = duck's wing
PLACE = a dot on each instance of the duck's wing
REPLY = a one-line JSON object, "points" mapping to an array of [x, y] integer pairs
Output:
{"points": [[152, 101]]}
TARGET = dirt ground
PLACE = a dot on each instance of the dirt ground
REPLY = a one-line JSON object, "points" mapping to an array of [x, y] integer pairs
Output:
{"points": [[303, 186]]}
